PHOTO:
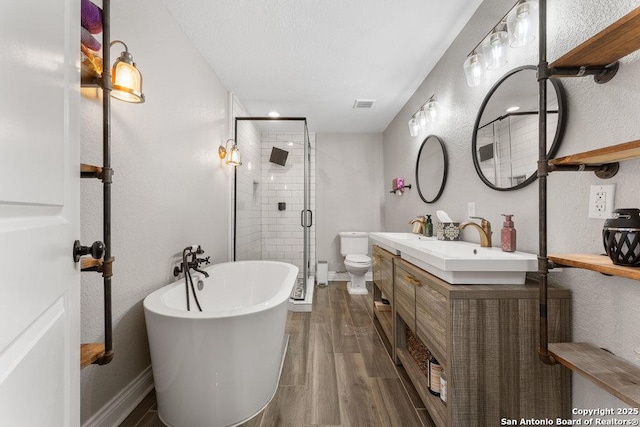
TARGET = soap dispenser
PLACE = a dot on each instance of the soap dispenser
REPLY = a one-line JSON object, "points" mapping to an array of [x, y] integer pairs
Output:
{"points": [[508, 234], [428, 227]]}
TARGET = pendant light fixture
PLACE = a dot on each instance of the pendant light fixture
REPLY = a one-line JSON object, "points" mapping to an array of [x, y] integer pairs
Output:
{"points": [[126, 80]]}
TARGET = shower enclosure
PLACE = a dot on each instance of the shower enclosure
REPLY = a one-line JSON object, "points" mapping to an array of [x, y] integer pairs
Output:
{"points": [[273, 197]]}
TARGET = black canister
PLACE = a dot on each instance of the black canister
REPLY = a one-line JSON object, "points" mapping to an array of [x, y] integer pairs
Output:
{"points": [[621, 237]]}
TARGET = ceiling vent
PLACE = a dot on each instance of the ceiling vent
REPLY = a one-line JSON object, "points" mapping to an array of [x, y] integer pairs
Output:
{"points": [[363, 103]]}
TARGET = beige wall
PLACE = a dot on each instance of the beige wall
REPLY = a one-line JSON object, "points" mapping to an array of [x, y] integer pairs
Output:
{"points": [[349, 190], [604, 308], [170, 190]]}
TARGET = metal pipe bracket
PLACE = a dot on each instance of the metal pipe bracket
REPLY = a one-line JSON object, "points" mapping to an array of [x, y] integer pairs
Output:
{"points": [[107, 175], [107, 267]]}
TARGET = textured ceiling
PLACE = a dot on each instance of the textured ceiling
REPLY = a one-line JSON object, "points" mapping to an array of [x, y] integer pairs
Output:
{"points": [[313, 58]]}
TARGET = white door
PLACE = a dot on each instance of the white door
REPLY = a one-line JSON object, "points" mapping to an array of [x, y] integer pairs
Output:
{"points": [[39, 212]]}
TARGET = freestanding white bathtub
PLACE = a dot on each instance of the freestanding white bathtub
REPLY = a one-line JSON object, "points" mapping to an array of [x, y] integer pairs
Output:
{"points": [[221, 366]]}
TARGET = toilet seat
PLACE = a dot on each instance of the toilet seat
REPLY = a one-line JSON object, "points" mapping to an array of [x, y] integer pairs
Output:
{"points": [[360, 259]]}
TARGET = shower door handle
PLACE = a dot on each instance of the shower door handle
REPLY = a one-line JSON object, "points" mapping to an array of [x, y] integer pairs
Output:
{"points": [[302, 212]]}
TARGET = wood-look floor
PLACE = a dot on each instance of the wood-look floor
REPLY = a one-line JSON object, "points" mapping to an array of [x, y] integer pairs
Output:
{"points": [[336, 373]]}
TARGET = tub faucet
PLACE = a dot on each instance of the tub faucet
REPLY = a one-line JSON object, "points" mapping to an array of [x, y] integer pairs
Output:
{"points": [[193, 264], [484, 229], [200, 271]]}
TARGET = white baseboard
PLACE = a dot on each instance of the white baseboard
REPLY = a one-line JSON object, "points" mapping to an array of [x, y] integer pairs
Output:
{"points": [[119, 408], [344, 276]]}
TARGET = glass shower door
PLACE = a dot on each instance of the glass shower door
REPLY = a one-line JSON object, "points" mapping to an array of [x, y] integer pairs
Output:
{"points": [[273, 217]]}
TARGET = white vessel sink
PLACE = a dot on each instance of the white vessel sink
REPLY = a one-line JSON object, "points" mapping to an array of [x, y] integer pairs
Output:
{"points": [[460, 263]]}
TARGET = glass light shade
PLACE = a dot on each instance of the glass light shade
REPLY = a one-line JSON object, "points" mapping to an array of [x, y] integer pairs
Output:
{"points": [[474, 69], [522, 23], [431, 110], [235, 159], [126, 80], [414, 127], [421, 116], [494, 49]]}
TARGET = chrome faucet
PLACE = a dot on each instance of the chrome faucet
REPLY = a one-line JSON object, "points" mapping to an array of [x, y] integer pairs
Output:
{"points": [[484, 229], [194, 264]]}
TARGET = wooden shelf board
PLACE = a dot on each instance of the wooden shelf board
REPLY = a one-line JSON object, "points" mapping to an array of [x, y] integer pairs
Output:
{"points": [[614, 42], [90, 168], [89, 353], [612, 373], [86, 263], [611, 154], [386, 321], [88, 78], [599, 263], [435, 406]]}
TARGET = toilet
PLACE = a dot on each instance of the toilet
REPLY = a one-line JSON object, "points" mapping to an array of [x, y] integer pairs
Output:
{"points": [[354, 247]]}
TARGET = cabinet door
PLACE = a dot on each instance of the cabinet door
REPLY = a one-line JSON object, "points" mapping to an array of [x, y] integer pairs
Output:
{"points": [[405, 293], [383, 272]]}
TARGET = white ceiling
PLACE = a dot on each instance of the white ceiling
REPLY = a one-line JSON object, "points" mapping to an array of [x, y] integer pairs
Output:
{"points": [[314, 58]]}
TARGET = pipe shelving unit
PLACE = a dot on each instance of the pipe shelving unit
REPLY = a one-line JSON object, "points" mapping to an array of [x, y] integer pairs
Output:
{"points": [[597, 57], [102, 353]]}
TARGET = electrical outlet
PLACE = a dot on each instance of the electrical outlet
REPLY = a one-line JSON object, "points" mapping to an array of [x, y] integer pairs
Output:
{"points": [[471, 209], [601, 201]]}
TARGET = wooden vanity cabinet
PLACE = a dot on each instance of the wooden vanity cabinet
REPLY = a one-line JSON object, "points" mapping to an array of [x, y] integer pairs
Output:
{"points": [[486, 338]]}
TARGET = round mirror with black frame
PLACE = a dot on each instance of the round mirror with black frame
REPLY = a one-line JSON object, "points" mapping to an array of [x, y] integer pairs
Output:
{"points": [[505, 134], [431, 169]]}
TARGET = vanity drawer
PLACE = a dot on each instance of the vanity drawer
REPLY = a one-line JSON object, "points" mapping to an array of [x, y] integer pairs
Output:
{"points": [[383, 271], [430, 311], [431, 318], [405, 305]]}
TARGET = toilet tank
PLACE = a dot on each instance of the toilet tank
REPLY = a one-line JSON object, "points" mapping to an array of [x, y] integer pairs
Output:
{"points": [[354, 242]]}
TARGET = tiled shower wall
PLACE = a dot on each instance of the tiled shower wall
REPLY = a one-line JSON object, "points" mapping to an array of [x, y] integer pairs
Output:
{"points": [[282, 234]]}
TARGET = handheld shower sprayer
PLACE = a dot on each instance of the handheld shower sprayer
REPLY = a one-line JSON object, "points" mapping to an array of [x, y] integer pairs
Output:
{"points": [[194, 249]]}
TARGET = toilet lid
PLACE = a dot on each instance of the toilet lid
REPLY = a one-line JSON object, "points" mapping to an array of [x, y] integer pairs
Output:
{"points": [[358, 258]]}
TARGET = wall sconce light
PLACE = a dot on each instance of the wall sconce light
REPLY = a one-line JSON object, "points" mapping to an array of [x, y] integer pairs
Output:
{"points": [[126, 80], [494, 48], [474, 69], [522, 23], [427, 113], [431, 109], [235, 158], [414, 126], [516, 29]]}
